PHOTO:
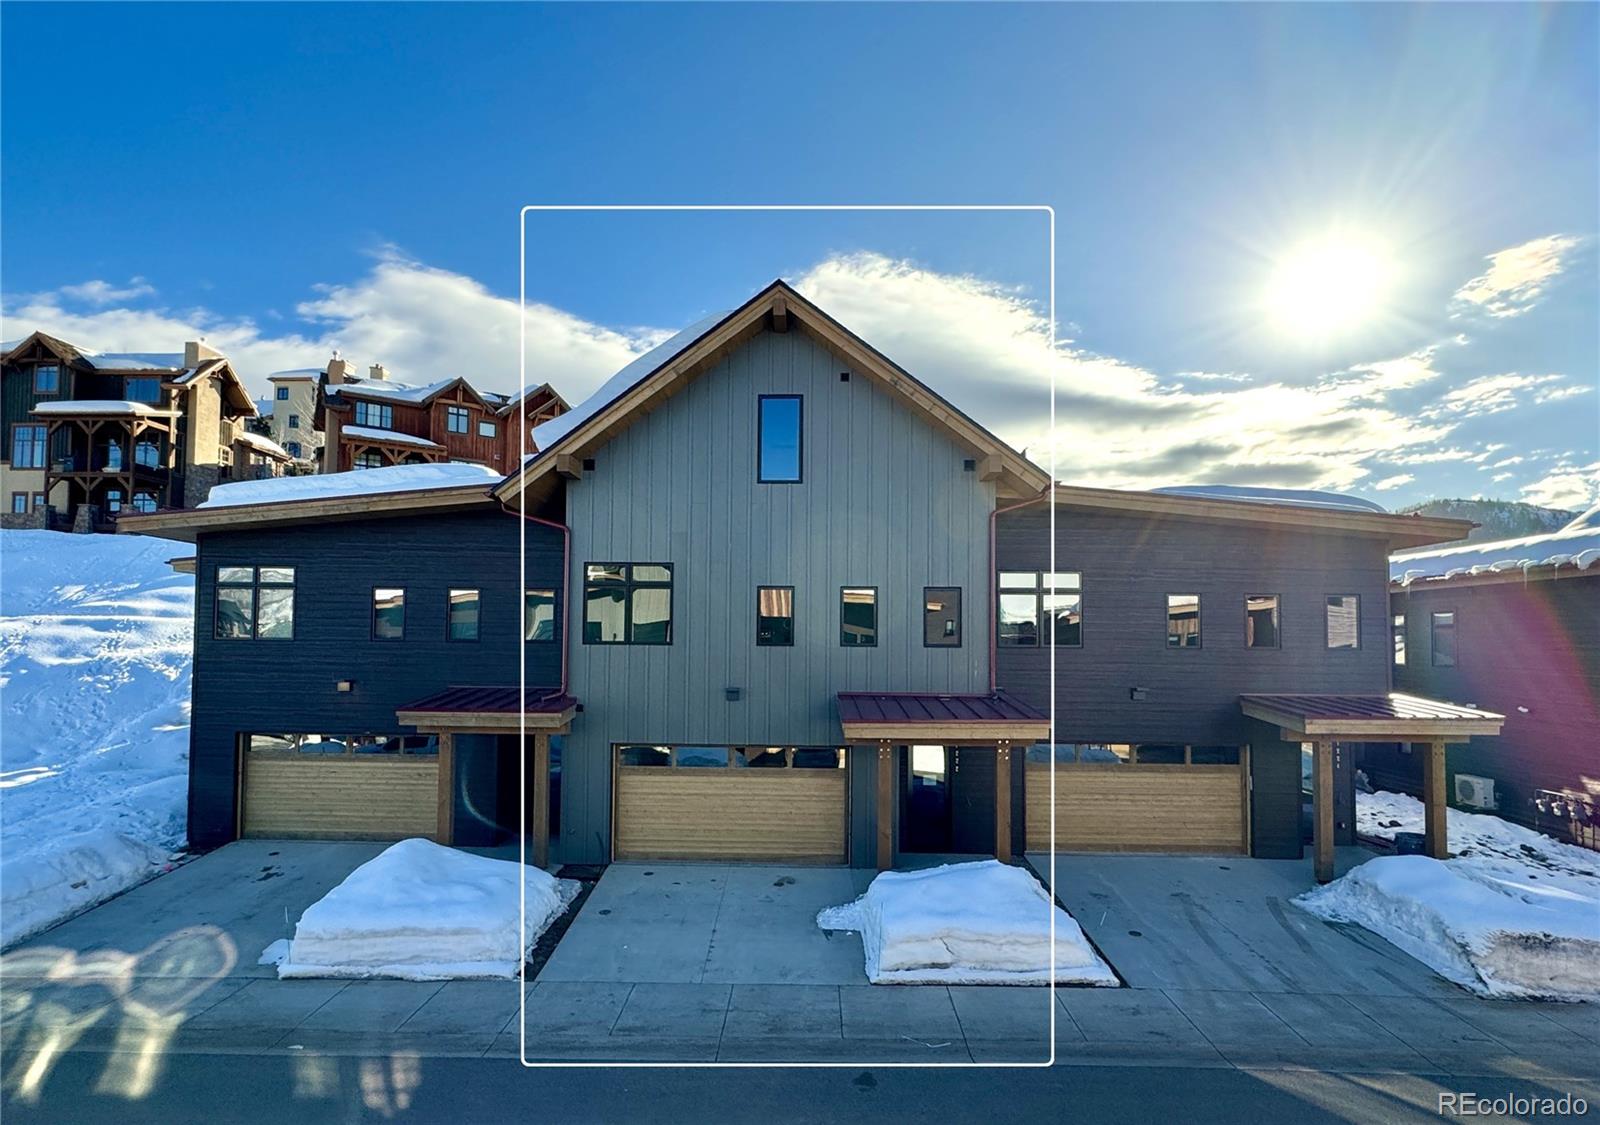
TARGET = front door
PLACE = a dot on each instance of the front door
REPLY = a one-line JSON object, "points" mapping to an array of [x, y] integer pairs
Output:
{"points": [[972, 798], [925, 798]]}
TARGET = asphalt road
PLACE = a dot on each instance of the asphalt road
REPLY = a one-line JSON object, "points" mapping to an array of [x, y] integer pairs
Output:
{"points": [[86, 1087]]}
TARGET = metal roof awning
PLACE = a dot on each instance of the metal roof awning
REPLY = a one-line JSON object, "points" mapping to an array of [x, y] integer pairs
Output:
{"points": [[497, 708], [1394, 717], [943, 719]]}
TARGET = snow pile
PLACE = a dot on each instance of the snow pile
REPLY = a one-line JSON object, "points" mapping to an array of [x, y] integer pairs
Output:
{"points": [[422, 911], [356, 482], [965, 923], [96, 633], [1514, 913]]}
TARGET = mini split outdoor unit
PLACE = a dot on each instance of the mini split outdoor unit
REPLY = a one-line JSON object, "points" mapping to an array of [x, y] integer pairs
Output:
{"points": [[1475, 792]]}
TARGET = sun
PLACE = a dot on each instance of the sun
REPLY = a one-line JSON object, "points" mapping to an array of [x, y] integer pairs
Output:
{"points": [[1329, 286]]}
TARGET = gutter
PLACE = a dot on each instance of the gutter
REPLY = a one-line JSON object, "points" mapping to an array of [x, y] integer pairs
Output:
{"points": [[994, 583], [566, 567]]}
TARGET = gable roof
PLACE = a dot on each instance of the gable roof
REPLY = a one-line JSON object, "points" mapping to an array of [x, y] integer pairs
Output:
{"points": [[386, 390], [671, 365]]}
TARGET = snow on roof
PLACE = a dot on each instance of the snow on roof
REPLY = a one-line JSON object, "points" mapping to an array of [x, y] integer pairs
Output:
{"points": [[295, 374], [264, 444], [356, 482], [390, 390], [135, 361], [1589, 519], [100, 406], [1295, 497], [546, 434], [1576, 544], [372, 433]]}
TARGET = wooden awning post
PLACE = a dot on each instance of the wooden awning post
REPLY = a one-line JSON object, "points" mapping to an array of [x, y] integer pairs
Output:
{"points": [[885, 795], [539, 794], [1322, 810], [446, 830], [1435, 804], [1002, 801]]}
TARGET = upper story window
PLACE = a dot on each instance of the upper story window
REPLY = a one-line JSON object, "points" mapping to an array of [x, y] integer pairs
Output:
{"points": [[28, 447], [1397, 630], [1443, 630], [1035, 605], [778, 440], [378, 415], [456, 419], [858, 616], [1261, 621], [253, 602], [142, 390], [539, 615], [388, 613], [1344, 621], [463, 614], [1183, 620], [148, 454], [941, 616], [775, 615], [47, 379], [293, 448], [283, 394], [294, 421], [627, 604], [487, 429]]}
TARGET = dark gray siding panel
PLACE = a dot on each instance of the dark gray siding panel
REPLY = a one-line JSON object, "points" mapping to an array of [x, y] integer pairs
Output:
{"points": [[288, 686], [1274, 794]]}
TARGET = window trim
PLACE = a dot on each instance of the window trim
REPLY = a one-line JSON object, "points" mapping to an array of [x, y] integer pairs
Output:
{"points": [[22, 496], [373, 602], [792, 616], [1199, 623], [1326, 639], [555, 616], [53, 391], [43, 445], [477, 632], [493, 427], [1398, 639], [629, 585], [1040, 589], [799, 440], [281, 395], [877, 621], [1455, 637], [364, 407], [254, 586], [961, 624], [1277, 625], [453, 410]]}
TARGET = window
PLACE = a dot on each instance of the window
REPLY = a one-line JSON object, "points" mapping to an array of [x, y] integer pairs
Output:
{"points": [[388, 613], [1131, 754], [1397, 631], [148, 454], [627, 604], [1344, 621], [283, 394], [293, 448], [19, 503], [112, 458], [858, 616], [27, 447], [731, 757], [1444, 639], [1034, 605], [144, 501], [462, 615], [329, 744], [1261, 621], [39, 501], [778, 442], [47, 379], [253, 602], [378, 415], [539, 615], [369, 459], [775, 615], [113, 499], [456, 419], [294, 421], [941, 616], [488, 429], [142, 390], [1183, 620]]}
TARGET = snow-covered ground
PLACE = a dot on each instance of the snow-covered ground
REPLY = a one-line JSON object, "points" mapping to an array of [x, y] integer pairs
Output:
{"points": [[1514, 913], [96, 636], [422, 911], [965, 923]]}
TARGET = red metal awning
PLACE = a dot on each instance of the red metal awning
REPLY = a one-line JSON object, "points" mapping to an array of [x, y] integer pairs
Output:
{"points": [[901, 716], [1391, 717], [496, 707]]}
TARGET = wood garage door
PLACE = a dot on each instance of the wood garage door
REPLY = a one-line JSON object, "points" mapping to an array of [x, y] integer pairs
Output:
{"points": [[752, 815], [386, 797], [1140, 808]]}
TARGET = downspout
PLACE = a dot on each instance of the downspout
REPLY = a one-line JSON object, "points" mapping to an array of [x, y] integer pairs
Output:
{"points": [[994, 583], [566, 566]]}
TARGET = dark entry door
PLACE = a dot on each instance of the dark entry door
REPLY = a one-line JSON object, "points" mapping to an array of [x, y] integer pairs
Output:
{"points": [[972, 798], [925, 798]]}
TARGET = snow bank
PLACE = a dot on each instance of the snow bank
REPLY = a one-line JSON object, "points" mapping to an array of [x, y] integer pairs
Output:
{"points": [[96, 633], [422, 911], [965, 923], [356, 482], [1513, 914]]}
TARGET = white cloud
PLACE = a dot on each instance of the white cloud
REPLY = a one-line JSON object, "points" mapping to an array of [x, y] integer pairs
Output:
{"points": [[1516, 278], [1395, 481], [1570, 487], [1495, 394], [104, 292]]}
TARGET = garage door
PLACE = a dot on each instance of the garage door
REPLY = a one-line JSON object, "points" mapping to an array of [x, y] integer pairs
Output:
{"points": [[339, 788], [1145, 798], [746, 804]]}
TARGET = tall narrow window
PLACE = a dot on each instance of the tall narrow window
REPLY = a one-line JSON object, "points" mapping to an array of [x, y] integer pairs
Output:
{"points": [[27, 447], [1063, 608], [456, 419], [1261, 621], [627, 604], [294, 421], [47, 379], [1183, 620], [1344, 621], [1019, 608], [463, 615], [19, 503], [254, 602], [941, 616], [858, 616], [388, 613], [775, 616], [539, 615], [1398, 631], [1444, 639], [779, 441]]}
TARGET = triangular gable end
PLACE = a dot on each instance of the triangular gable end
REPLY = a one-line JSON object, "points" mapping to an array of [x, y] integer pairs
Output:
{"points": [[46, 346], [780, 307]]}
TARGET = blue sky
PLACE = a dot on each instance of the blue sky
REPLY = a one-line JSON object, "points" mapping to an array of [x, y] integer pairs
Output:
{"points": [[289, 178]]}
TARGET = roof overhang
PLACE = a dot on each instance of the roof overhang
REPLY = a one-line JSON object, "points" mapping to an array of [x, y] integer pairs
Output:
{"points": [[913, 717], [1395, 717], [1397, 530], [1014, 475], [490, 710], [185, 524]]}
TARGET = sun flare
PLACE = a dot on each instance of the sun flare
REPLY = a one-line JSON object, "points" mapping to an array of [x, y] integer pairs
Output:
{"points": [[1329, 286]]}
